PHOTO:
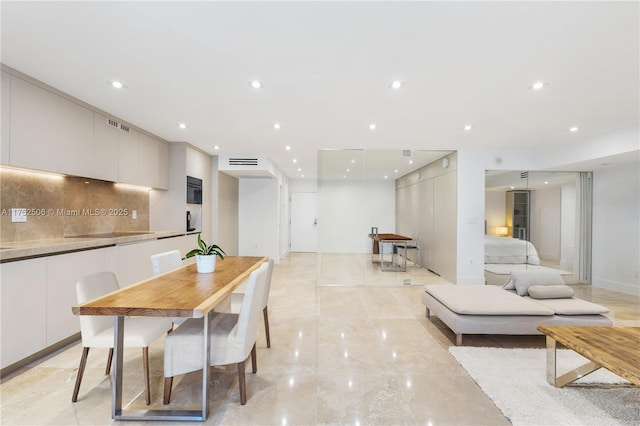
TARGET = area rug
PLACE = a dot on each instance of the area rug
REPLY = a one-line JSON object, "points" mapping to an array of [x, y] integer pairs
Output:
{"points": [[507, 268], [514, 379]]}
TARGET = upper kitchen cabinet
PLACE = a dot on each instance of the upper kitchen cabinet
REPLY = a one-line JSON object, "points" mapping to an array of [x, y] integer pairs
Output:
{"points": [[128, 155], [154, 162], [34, 127], [105, 148], [75, 139], [5, 125]]}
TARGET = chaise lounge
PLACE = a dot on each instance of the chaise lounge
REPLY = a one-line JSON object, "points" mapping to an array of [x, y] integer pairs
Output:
{"points": [[529, 299]]}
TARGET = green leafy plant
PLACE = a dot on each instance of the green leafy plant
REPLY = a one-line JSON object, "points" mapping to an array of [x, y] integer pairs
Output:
{"points": [[206, 250]]}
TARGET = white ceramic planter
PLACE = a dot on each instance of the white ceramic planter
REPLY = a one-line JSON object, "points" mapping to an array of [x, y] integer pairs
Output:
{"points": [[206, 264]]}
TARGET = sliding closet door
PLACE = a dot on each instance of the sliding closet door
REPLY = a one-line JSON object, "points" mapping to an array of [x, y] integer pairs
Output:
{"points": [[445, 225]]}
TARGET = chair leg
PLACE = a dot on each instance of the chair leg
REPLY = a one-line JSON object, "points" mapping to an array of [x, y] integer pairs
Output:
{"points": [[109, 360], [83, 363], [145, 361], [265, 314], [254, 359], [243, 384], [168, 382]]}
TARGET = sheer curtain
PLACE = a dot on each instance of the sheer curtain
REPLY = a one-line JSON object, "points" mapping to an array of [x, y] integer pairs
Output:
{"points": [[585, 200]]}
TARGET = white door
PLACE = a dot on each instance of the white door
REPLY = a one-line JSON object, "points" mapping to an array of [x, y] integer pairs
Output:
{"points": [[304, 221]]}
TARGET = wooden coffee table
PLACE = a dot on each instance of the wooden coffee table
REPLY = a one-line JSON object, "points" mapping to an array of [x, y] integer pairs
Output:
{"points": [[615, 348]]}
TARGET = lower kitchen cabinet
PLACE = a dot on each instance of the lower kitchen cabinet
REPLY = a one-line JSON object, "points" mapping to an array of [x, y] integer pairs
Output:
{"points": [[63, 272], [24, 309]]}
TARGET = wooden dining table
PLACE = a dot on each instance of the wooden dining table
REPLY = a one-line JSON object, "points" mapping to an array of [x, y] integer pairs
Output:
{"points": [[379, 240], [183, 293]]}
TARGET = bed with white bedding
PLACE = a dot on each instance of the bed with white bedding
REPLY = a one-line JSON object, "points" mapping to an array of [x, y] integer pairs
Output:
{"points": [[509, 250]]}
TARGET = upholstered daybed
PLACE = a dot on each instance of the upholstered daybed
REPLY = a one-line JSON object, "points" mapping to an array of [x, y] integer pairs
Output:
{"points": [[513, 309]]}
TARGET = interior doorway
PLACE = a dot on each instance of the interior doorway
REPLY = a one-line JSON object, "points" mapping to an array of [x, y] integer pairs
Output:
{"points": [[304, 222]]}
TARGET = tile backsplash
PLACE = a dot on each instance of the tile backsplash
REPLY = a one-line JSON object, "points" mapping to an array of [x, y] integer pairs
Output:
{"points": [[63, 206]]}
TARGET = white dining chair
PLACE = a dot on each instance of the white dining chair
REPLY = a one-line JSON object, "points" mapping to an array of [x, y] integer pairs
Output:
{"points": [[233, 339], [165, 262], [238, 297], [97, 331]]}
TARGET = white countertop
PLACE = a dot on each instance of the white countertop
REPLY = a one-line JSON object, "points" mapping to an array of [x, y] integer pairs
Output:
{"points": [[48, 247]]}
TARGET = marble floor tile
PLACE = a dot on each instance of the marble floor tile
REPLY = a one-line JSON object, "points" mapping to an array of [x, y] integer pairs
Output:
{"points": [[359, 351]]}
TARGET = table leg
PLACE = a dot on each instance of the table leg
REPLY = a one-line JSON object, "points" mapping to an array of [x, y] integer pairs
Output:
{"points": [[570, 376], [205, 368], [118, 348]]}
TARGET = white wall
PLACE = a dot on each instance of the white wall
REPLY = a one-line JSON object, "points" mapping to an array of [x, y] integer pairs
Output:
{"points": [[258, 224], [347, 209], [545, 222], [616, 229], [495, 210]]}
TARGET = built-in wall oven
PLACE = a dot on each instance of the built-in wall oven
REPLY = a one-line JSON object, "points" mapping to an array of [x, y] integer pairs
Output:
{"points": [[194, 190]]}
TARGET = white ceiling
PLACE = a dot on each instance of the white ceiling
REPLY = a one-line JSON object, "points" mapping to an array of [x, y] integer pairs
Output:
{"points": [[326, 68]]}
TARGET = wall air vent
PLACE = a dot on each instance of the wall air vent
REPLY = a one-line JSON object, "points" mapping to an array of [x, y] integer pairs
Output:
{"points": [[243, 161], [524, 175], [113, 123], [125, 128]]}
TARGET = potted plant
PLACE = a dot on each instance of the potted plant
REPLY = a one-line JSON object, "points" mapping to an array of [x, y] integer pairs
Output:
{"points": [[206, 256]]}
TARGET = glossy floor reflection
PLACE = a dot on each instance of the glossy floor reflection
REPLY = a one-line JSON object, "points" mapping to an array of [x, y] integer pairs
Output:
{"points": [[352, 355]]}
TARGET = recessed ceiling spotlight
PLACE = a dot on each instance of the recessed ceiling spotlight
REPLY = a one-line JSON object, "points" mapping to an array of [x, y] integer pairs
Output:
{"points": [[386, 177], [573, 129], [216, 147], [353, 161], [512, 187], [372, 126], [301, 175], [182, 126], [395, 171], [546, 182], [344, 176], [396, 84], [295, 160], [256, 84], [538, 85], [467, 127], [276, 126], [288, 148], [410, 161], [116, 84], [348, 170], [299, 169]]}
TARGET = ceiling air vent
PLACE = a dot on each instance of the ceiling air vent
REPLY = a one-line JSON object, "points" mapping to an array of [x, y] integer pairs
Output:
{"points": [[125, 128], [524, 175], [113, 123], [243, 161]]}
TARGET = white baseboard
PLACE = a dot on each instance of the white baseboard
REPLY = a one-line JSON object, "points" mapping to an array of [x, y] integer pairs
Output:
{"points": [[625, 288]]}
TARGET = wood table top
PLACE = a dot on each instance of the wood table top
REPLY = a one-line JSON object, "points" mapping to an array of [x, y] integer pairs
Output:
{"points": [[182, 292], [389, 237], [615, 348]]}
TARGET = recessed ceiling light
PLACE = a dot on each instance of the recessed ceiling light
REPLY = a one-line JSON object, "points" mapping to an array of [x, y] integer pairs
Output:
{"points": [[216, 147], [386, 177], [182, 126], [467, 127], [573, 129], [410, 161], [299, 169], [395, 171], [256, 84], [117, 84], [546, 182], [344, 176], [348, 170], [295, 160], [288, 148], [353, 161], [538, 85], [301, 175], [512, 187], [372, 126], [276, 126], [396, 84]]}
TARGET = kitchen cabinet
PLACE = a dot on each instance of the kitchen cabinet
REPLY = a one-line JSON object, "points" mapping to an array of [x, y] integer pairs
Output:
{"points": [[34, 126], [153, 162], [134, 261], [75, 139], [5, 126], [128, 155], [24, 309], [63, 272], [105, 148]]}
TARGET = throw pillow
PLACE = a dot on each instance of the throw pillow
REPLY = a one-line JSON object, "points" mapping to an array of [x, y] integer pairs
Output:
{"points": [[550, 291], [524, 279], [509, 285]]}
